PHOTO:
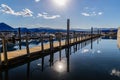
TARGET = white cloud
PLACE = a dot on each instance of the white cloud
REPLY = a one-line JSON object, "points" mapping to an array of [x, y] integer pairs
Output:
{"points": [[92, 13], [46, 16], [37, 0], [8, 10], [85, 14]]}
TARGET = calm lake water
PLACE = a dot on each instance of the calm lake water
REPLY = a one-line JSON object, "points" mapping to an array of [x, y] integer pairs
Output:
{"points": [[99, 61]]}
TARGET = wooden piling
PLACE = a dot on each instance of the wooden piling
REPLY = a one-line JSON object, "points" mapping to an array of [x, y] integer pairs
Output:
{"points": [[51, 42], [27, 46], [19, 36], [68, 31], [74, 37], [0, 59], [13, 39], [59, 36], [42, 44], [5, 50]]}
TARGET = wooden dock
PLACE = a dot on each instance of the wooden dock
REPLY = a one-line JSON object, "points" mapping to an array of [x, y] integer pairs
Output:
{"points": [[15, 57], [9, 59]]}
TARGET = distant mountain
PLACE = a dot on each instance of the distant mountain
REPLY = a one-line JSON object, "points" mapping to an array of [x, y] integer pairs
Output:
{"points": [[49, 30], [22, 29], [5, 27], [107, 29]]}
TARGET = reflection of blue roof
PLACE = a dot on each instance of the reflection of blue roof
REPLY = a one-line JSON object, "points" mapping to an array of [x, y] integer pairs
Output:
{"points": [[5, 27]]}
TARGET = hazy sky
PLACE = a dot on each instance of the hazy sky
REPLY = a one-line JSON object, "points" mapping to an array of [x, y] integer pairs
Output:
{"points": [[54, 13]]}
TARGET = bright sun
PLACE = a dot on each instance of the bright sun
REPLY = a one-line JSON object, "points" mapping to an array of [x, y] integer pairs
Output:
{"points": [[60, 2]]}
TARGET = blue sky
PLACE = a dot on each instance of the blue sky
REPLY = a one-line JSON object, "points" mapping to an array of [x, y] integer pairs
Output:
{"points": [[47, 13]]}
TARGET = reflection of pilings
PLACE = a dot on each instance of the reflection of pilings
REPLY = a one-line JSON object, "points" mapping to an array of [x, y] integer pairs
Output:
{"points": [[6, 75], [98, 41], [91, 43], [19, 35], [28, 71], [60, 55], [68, 59], [51, 58], [79, 46], [91, 37], [1, 76], [76, 47], [5, 50], [27, 45], [42, 64], [70, 50]]}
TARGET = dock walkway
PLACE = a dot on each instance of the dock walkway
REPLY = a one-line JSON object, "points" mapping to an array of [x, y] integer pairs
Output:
{"points": [[13, 56]]}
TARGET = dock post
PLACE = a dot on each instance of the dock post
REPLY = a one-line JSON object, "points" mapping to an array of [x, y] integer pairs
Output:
{"points": [[5, 51], [27, 45], [59, 39], [79, 36], [13, 39], [51, 50], [19, 37], [74, 37], [59, 36], [68, 30], [91, 32], [42, 45], [60, 43], [51, 42], [0, 58]]}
